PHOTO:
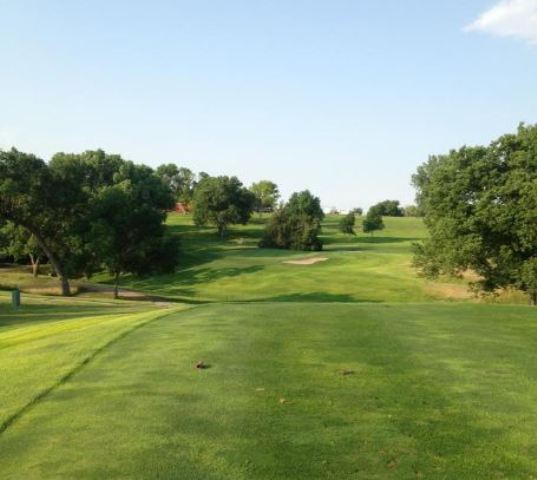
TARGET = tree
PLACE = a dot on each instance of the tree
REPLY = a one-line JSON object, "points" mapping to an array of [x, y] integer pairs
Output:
{"points": [[372, 222], [123, 229], [48, 205], [266, 195], [295, 225], [19, 243], [130, 234], [346, 224], [180, 180], [61, 206], [222, 201], [357, 211], [388, 208], [528, 279], [480, 208], [304, 203], [411, 211]]}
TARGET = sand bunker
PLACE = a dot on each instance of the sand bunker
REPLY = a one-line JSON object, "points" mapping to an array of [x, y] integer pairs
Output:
{"points": [[306, 261]]}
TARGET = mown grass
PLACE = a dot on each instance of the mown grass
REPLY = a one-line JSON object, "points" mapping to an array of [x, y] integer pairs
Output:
{"points": [[361, 268], [43, 340], [294, 391], [349, 368]]}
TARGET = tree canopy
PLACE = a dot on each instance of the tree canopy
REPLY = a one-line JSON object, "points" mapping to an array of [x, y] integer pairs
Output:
{"points": [[480, 207], [19, 243], [346, 224], [180, 180], [388, 208], [129, 233], [305, 203], [372, 221], [412, 211], [266, 195], [62, 203], [48, 204], [295, 225], [222, 201]]}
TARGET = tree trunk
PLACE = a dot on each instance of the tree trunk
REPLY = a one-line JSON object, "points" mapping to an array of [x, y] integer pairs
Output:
{"points": [[222, 230], [56, 265], [116, 286], [533, 298], [66, 288], [35, 265]]}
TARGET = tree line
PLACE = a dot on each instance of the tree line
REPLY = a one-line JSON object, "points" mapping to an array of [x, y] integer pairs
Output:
{"points": [[85, 212], [92, 211]]}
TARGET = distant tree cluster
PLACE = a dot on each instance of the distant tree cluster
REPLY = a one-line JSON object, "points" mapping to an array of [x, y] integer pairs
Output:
{"points": [[412, 211], [480, 207], [295, 225], [84, 212], [388, 208]]}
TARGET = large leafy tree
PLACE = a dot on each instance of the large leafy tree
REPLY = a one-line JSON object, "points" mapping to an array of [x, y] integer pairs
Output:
{"points": [[64, 203], [48, 205], [266, 195], [480, 207], [128, 230], [180, 180], [124, 228], [295, 225], [222, 201], [305, 203]]}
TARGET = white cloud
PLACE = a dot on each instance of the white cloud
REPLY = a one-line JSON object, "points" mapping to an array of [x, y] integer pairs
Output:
{"points": [[509, 18]]}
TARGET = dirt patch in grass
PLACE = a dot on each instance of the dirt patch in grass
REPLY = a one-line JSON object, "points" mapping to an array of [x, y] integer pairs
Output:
{"points": [[306, 261], [54, 291], [124, 293]]}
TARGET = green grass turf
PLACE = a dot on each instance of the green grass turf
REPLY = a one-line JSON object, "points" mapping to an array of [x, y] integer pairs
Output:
{"points": [[96, 388], [434, 391], [362, 268], [45, 339]]}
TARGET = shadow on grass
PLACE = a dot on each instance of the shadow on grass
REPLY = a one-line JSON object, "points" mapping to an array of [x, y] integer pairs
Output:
{"points": [[373, 239], [344, 248], [323, 297], [206, 275], [174, 284]]}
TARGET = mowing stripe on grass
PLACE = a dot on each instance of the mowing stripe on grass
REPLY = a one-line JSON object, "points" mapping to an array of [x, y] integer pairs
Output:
{"points": [[77, 368]]}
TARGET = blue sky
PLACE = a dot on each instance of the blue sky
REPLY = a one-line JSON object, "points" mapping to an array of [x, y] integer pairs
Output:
{"points": [[345, 98]]}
